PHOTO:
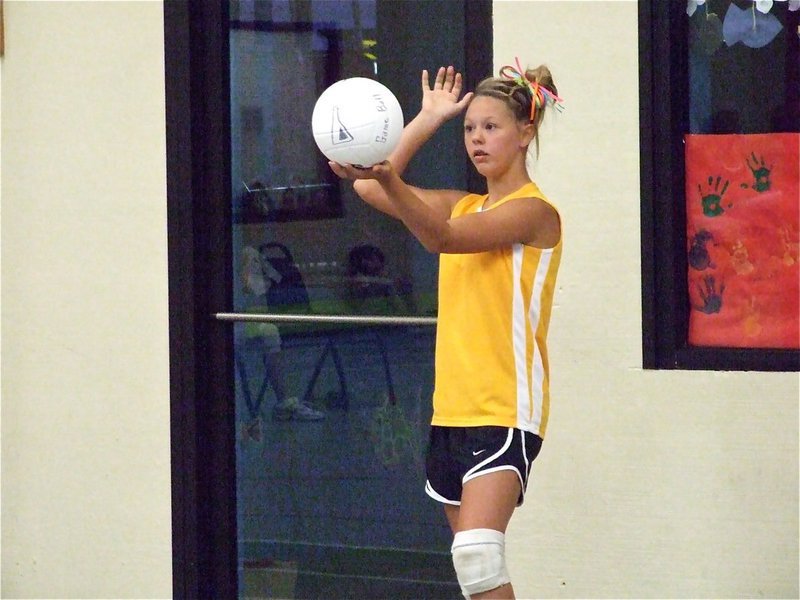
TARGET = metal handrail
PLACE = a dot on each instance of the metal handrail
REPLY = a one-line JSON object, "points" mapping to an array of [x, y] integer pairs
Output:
{"points": [[305, 318]]}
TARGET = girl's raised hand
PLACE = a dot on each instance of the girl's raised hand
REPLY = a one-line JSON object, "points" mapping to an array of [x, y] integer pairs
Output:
{"points": [[442, 100]]}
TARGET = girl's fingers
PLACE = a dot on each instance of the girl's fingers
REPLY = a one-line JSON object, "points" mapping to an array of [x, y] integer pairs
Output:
{"points": [[336, 168], [343, 171], [465, 100], [440, 75], [448, 78], [457, 84], [351, 172]]}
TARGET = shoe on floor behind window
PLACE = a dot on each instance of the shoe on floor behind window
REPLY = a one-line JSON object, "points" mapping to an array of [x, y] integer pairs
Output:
{"points": [[294, 410]]}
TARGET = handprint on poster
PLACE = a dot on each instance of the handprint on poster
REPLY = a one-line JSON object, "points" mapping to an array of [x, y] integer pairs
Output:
{"points": [[743, 234]]}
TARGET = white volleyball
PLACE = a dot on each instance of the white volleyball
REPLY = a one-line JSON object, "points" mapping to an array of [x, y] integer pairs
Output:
{"points": [[357, 121]]}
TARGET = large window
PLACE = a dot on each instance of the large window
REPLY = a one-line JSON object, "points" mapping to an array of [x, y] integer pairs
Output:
{"points": [[720, 136]]}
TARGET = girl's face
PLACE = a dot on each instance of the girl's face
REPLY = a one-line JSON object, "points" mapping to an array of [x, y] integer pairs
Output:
{"points": [[494, 139]]}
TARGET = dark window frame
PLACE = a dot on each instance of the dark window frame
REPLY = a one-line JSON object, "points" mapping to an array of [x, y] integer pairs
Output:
{"points": [[200, 284], [199, 254], [663, 118]]}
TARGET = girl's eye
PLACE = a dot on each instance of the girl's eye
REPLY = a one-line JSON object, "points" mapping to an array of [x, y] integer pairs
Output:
{"points": [[467, 128]]}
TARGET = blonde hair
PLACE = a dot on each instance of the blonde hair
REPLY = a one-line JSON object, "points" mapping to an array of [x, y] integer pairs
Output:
{"points": [[518, 97]]}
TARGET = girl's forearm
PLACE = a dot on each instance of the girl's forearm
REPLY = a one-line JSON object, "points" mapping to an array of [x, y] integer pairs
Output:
{"points": [[423, 221], [414, 136]]}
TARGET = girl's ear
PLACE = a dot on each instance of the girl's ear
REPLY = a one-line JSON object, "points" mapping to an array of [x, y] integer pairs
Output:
{"points": [[528, 133]]}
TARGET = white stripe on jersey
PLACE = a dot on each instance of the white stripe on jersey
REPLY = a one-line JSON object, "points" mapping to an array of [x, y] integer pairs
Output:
{"points": [[518, 335], [534, 314]]}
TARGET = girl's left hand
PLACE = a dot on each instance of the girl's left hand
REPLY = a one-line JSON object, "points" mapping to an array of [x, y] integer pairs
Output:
{"points": [[381, 172]]}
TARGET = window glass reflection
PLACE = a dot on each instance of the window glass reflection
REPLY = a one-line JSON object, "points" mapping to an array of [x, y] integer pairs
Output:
{"points": [[332, 418]]}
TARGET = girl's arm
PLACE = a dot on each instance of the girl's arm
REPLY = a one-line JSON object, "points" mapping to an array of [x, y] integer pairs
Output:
{"points": [[439, 104], [524, 220]]}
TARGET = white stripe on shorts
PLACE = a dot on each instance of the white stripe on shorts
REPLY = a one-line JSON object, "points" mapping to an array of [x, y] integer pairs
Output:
{"points": [[437, 496], [475, 472], [468, 475]]}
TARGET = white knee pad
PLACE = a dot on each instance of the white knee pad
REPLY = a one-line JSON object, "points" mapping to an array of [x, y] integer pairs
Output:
{"points": [[480, 560]]}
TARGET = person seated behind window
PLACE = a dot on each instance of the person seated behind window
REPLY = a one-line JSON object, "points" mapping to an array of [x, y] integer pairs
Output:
{"points": [[369, 289], [365, 276]]}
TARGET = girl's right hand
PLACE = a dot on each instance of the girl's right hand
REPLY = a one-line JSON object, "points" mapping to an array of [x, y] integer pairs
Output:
{"points": [[381, 172], [442, 100]]}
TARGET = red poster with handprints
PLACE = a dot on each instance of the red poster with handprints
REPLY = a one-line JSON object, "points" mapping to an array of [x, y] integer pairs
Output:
{"points": [[743, 231]]}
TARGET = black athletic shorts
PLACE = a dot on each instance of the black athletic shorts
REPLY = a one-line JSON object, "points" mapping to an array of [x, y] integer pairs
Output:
{"points": [[458, 454]]}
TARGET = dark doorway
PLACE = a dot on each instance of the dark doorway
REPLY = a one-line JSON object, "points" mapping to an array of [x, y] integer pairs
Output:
{"points": [[262, 505]]}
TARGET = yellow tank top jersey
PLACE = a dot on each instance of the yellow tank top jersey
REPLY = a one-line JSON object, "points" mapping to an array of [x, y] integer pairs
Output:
{"points": [[494, 312]]}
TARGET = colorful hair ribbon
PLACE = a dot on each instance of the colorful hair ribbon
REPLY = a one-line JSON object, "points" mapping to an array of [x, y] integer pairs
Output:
{"points": [[540, 95]]}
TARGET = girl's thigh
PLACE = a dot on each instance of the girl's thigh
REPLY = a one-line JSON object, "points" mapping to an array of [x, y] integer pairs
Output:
{"points": [[487, 502]]}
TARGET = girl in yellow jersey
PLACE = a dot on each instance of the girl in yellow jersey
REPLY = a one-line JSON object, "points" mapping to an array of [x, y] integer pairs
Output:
{"points": [[499, 255]]}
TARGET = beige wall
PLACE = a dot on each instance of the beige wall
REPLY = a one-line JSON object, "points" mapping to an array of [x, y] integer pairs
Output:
{"points": [[650, 484], [85, 388]]}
